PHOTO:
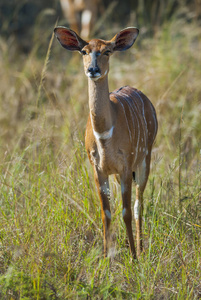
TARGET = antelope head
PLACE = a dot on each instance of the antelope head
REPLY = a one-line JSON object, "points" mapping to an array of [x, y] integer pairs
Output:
{"points": [[96, 52]]}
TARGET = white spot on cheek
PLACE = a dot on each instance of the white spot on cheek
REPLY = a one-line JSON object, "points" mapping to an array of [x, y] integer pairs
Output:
{"points": [[123, 212], [108, 214], [105, 73], [136, 209]]}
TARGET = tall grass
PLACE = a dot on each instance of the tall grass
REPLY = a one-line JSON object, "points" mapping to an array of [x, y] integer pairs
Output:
{"points": [[51, 229]]}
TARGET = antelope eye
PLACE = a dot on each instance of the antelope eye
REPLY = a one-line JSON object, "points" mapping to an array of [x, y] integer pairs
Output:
{"points": [[107, 52], [83, 52]]}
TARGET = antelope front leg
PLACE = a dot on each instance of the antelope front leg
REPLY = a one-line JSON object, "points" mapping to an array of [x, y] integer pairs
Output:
{"points": [[102, 184], [126, 185]]}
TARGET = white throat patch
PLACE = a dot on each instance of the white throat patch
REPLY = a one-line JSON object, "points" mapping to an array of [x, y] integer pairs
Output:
{"points": [[104, 135]]}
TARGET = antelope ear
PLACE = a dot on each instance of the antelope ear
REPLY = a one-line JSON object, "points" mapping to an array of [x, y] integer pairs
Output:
{"points": [[124, 39], [69, 39]]}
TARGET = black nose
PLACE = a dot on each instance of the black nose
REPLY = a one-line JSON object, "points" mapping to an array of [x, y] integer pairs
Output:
{"points": [[93, 71]]}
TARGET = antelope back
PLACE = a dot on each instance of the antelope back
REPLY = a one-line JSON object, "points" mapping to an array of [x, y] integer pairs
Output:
{"points": [[140, 117]]}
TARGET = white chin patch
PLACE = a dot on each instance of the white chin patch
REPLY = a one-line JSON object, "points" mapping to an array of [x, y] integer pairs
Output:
{"points": [[98, 75], [94, 78]]}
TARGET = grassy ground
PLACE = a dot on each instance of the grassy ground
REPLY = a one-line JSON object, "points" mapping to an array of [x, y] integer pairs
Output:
{"points": [[51, 230]]}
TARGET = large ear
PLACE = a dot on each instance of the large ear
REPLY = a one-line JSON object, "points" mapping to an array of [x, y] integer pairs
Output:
{"points": [[124, 39], [69, 39]]}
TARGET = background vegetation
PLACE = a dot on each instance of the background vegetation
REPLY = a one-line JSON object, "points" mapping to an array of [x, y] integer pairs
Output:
{"points": [[50, 224]]}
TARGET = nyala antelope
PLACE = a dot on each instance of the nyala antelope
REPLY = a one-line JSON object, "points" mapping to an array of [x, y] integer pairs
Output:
{"points": [[120, 132]]}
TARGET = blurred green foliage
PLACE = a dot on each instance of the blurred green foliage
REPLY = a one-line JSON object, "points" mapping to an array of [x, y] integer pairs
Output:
{"points": [[18, 18]]}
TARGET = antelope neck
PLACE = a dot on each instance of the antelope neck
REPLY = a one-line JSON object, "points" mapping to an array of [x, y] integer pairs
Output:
{"points": [[100, 106]]}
